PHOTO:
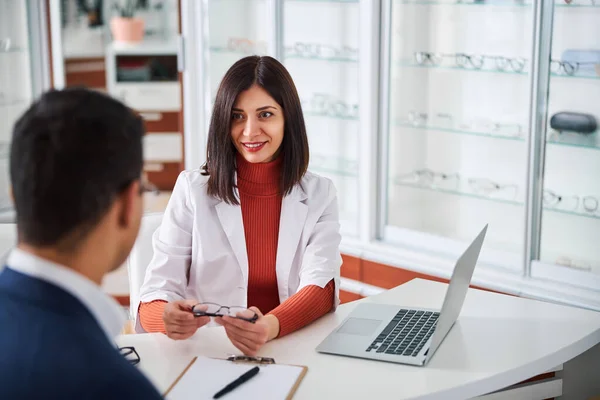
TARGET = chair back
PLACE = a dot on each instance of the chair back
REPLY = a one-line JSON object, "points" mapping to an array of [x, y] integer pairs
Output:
{"points": [[140, 258], [8, 240]]}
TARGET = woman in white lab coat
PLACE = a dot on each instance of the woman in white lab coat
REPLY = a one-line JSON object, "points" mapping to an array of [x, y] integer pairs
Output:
{"points": [[252, 228]]}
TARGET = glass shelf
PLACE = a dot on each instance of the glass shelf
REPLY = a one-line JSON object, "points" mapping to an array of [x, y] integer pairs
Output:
{"points": [[225, 50], [571, 140], [589, 77], [563, 6], [591, 141], [410, 64], [4, 150], [491, 4], [323, 115], [325, 1], [316, 58], [458, 131], [331, 171], [576, 214], [11, 102], [460, 3], [15, 50], [328, 164], [457, 192]]}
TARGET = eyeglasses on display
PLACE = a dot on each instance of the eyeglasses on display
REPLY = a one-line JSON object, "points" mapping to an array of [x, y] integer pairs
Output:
{"points": [[318, 50], [571, 68], [428, 177], [446, 120], [471, 61], [246, 46], [325, 104], [487, 187], [588, 204]]}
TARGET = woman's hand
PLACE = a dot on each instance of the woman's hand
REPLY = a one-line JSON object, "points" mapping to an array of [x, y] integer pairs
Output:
{"points": [[249, 337], [179, 320]]}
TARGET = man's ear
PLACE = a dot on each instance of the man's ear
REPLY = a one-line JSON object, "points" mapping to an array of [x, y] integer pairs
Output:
{"points": [[128, 199]]}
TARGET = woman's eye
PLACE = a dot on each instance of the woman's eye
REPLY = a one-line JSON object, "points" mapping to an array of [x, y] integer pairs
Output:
{"points": [[265, 114], [237, 116]]}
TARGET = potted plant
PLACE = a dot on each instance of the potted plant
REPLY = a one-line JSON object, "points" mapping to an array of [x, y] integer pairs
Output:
{"points": [[126, 27]]}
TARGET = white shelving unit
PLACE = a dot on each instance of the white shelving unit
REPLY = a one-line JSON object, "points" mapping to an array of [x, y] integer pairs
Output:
{"points": [[23, 76]]}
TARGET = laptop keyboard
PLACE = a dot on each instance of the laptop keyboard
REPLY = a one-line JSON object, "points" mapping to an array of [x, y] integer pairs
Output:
{"points": [[406, 334]]}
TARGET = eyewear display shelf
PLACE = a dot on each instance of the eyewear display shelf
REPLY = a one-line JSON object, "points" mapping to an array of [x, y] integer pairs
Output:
{"points": [[472, 90]]}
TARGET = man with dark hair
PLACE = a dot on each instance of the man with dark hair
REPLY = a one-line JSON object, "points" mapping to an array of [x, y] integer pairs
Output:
{"points": [[75, 167]]}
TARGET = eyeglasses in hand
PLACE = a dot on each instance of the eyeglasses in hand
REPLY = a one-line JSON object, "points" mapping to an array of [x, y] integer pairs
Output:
{"points": [[216, 310], [250, 359]]}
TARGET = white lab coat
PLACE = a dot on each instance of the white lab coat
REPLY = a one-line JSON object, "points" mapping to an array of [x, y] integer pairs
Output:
{"points": [[200, 247]]}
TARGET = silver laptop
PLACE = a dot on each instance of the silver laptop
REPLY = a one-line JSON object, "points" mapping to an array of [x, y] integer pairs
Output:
{"points": [[404, 335]]}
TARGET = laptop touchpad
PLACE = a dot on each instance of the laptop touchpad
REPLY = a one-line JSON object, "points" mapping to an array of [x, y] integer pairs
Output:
{"points": [[359, 326]]}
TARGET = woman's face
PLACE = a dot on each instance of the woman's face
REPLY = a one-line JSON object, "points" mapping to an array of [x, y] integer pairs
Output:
{"points": [[257, 125]]}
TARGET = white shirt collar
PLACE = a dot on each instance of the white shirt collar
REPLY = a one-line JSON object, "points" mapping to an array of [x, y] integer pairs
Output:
{"points": [[104, 308]]}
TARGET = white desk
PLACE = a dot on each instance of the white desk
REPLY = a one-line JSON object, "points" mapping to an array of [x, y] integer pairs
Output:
{"points": [[498, 341]]}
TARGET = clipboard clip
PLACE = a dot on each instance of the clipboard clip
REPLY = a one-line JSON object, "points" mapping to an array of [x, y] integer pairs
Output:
{"points": [[251, 360]]}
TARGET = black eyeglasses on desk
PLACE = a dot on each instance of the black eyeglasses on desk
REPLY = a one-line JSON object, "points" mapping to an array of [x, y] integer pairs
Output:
{"points": [[130, 354]]}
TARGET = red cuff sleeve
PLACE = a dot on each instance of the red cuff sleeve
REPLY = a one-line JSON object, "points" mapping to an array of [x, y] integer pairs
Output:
{"points": [[150, 315], [306, 306]]}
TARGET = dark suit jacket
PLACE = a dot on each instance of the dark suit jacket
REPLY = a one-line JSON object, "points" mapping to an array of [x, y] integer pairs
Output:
{"points": [[51, 347]]}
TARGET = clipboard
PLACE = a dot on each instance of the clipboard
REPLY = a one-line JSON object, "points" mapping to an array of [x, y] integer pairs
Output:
{"points": [[204, 376]]}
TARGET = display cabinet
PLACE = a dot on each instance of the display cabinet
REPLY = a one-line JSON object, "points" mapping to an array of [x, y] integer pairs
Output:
{"points": [[321, 51], [566, 213], [236, 29], [455, 144], [23, 75], [489, 118]]}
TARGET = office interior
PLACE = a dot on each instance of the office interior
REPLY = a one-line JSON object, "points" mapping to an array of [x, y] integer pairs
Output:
{"points": [[431, 117]]}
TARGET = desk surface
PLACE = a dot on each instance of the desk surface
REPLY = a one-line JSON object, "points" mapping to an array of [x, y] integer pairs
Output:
{"points": [[499, 340]]}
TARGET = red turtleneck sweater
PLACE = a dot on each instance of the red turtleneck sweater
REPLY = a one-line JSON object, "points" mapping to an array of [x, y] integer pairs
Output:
{"points": [[260, 199]]}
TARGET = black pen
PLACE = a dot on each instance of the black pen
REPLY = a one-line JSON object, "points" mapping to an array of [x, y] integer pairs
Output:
{"points": [[243, 378]]}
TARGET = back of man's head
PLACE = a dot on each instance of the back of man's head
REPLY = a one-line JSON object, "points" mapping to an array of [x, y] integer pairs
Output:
{"points": [[73, 153]]}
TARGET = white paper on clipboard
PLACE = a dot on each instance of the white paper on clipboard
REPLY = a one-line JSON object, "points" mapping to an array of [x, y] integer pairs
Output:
{"points": [[206, 376]]}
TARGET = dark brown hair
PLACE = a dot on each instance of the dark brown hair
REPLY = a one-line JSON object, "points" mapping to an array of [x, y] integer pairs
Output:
{"points": [[271, 75], [72, 152]]}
